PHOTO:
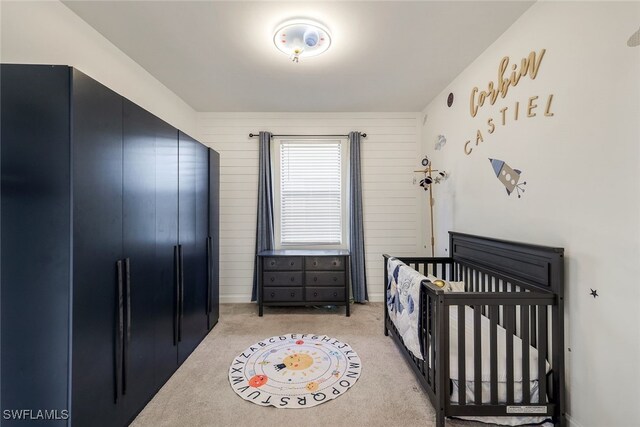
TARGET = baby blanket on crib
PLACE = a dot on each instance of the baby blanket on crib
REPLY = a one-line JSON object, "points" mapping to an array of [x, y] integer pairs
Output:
{"points": [[403, 302]]}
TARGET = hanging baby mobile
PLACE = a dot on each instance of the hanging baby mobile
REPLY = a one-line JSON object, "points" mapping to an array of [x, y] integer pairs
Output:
{"points": [[431, 176]]}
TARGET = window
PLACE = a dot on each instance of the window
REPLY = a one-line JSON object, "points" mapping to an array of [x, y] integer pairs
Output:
{"points": [[310, 198]]}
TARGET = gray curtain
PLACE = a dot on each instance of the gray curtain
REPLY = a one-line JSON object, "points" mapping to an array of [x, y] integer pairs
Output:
{"points": [[356, 229], [264, 230]]}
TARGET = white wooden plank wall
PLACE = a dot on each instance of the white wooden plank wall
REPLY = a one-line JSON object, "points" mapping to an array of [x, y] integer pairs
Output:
{"points": [[393, 214]]}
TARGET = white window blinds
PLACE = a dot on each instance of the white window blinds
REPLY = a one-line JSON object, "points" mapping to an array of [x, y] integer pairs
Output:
{"points": [[310, 192]]}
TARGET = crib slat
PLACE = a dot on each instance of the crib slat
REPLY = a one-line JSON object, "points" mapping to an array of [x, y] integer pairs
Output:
{"points": [[462, 376], [534, 327], [524, 327], [542, 353], [493, 352], [443, 354], [509, 314], [432, 338], [477, 355], [476, 282]]}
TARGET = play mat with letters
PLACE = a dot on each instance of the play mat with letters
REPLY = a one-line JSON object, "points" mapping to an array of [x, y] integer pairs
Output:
{"points": [[294, 370]]}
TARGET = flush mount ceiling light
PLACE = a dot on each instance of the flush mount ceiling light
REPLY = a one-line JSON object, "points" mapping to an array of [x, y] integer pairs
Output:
{"points": [[302, 38]]}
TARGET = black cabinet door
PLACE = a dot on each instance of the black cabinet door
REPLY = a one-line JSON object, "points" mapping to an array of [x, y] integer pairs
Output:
{"points": [[202, 289], [97, 246], [139, 248], [36, 238], [189, 316], [214, 235], [166, 346]]}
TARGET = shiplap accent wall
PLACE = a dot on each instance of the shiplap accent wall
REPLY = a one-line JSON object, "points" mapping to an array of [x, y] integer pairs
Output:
{"points": [[393, 204]]}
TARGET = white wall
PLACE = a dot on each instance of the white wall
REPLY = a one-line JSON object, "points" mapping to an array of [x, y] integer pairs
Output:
{"points": [[49, 33], [582, 190], [392, 217]]}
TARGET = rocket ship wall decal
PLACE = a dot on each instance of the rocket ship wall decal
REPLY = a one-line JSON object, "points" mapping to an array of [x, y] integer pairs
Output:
{"points": [[508, 176]]}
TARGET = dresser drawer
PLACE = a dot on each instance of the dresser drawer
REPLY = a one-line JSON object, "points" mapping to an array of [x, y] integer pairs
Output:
{"points": [[325, 263], [282, 263], [282, 278], [324, 294], [325, 278], [282, 294]]}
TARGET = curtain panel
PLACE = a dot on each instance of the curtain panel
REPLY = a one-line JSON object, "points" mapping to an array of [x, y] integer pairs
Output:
{"points": [[264, 230], [356, 228]]}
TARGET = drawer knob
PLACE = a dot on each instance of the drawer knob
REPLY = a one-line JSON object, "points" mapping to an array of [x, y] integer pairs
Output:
{"points": [[273, 263], [273, 294], [291, 263], [335, 262], [293, 294], [335, 279], [335, 294], [293, 278], [315, 262], [272, 279], [315, 294], [315, 279]]}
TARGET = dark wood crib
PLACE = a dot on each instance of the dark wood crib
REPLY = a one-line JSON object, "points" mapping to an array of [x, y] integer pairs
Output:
{"points": [[518, 287]]}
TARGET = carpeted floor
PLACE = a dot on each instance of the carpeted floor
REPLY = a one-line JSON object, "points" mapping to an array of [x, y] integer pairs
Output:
{"points": [[387, 393]]}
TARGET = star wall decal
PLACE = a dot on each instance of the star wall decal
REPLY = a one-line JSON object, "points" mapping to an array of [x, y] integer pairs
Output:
{"points": [[594, 293]]}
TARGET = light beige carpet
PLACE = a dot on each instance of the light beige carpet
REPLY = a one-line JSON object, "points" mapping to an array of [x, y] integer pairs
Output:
{"points": [[387, 393]]}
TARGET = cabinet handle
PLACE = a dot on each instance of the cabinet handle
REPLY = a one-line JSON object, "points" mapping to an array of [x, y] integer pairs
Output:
{"points": [[208, 304], [291, 263], [273, 294], [315, 262], [293, 294], [293, 278], [176, 281], [315, 294], [181, 305], [272, 263], [119, 329], [335, 262], [272, 279], [335, 294], [127, 341]]}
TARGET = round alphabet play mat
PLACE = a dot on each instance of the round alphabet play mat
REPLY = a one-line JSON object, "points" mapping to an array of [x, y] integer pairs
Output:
{"points": [[294, 370]]}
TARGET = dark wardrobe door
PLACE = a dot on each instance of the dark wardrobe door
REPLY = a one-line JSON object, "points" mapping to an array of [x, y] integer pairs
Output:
{"points": [[97, 246], [166, 346], [203, 245], [214, 234], [36, 238], [192, 317], [139, 249]]}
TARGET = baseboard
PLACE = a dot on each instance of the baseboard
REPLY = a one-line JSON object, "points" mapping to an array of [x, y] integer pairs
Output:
{"points": [[376, 297], [235, 299], [572, 422], [246, 298]]}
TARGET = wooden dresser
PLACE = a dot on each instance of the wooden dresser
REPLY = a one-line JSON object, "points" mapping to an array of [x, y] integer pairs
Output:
{"points": [[303, 277]]}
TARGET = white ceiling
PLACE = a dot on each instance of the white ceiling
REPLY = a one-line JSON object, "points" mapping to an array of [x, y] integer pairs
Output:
{"points": [[385, 56]]}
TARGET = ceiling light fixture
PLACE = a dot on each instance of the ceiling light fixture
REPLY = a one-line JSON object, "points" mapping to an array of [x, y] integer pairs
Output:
{"points": [[302, 38]]}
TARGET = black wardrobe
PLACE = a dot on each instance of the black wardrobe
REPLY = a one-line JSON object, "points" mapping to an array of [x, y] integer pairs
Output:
{"points": [[109, 248]]}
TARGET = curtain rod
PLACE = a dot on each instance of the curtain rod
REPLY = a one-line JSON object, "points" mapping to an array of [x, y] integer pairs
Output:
{"points": [[251, 135]]}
